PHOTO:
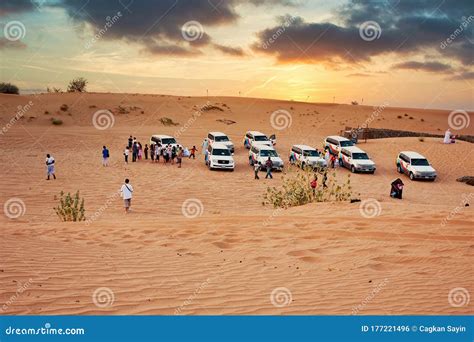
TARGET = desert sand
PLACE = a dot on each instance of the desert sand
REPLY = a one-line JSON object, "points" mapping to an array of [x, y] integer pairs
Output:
{"points": [[228, 259]]}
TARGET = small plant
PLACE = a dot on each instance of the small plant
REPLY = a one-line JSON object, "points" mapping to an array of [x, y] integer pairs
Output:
{"points": [[70, 208], [168, 122], [399, 117], [296, 189], [64, 107], [54, 90], [354, 103], [46, 112], [8, 88], [77, 85], [56, 122], [411, 118], [421, 139], [422, 120]]}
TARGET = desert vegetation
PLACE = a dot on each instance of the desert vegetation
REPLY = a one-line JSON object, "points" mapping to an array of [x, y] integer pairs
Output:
{"points": [[70, 208]]}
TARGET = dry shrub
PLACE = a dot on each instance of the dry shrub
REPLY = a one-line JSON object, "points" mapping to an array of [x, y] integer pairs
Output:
{"points": [[70, 208], [168, 122], [296, 189]]}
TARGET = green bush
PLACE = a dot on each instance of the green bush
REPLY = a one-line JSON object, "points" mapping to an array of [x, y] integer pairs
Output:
{"points": [[56, 122], [296, 189], [77, 85], [8, 88], [70, 208]]}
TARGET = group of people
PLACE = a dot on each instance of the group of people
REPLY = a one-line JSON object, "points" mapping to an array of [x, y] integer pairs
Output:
{"points": [[170, 153], [268, 167]]}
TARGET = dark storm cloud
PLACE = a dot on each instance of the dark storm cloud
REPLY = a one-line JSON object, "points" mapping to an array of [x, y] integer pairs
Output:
{"points": [[424, 66], [407, 27], [15, 6], [157, 25]]}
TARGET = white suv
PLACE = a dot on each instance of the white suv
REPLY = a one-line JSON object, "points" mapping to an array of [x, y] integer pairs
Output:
{"points": [[164, 140], [255, 136], [219, 137], [356, 160], [219, 157], [259, 153], [335, 142], [415, 166], [304, 155]]}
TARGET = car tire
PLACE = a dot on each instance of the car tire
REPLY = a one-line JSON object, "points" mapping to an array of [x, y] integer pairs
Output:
{"points": [[412, 176], [353, 170], [399, 168]]}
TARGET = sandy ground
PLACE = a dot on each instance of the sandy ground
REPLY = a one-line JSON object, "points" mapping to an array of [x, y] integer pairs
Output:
{"points": [[324, 258]]}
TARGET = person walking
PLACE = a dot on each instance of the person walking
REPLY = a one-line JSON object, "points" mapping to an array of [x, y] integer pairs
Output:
{"points": [[50, 166], [126, 152], [146, 151], [105, 156], [158, 150], [193, 152], [256, 168], [126, 191], [269, 166]]}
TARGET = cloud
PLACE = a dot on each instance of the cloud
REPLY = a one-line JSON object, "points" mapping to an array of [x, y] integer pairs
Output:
{"points": [[464, 75], [407, 28], [15, 6], [158, 25], [7, 44], [424, 66], [232, 51]]}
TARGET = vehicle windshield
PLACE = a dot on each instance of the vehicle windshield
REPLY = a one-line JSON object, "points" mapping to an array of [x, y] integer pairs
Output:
{"points": [[419, 162], [221, 138], [268, 153], [260, 138], [220, 152], [360, 156], [166, 141], [347, 143], [311, 153]]}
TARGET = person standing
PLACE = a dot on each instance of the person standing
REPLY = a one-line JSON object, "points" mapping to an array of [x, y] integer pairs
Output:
{"points": [[130, 142], [205, 144], [256, 168], [105, 156], [314, 184], [146, 151], [134, 152], [158, 152], [126, 152], [50, 166], [269, 166], [193, 152], [152, 152], [140, 151], [127, 191], [179, 156]]}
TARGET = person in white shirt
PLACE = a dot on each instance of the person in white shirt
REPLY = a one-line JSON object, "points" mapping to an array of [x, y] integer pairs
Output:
{"points": [[127, 191], [50, 166], [126, 152]]}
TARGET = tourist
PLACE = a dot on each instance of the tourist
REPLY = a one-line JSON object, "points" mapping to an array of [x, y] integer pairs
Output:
{"points": [[256, 168], [193, 152], [50, 166], [105, 156], [130, 142], [269, 166], [146, 151], [126, 153], [152, 152], [127, 191], [179, 157], [314, 184], [134, 152]]}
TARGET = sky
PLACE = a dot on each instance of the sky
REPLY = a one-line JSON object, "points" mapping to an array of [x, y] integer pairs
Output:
{"points": [[407, 53]]}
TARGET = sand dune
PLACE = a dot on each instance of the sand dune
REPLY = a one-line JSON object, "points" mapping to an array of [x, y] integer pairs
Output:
{"points": [[235, 252]]}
